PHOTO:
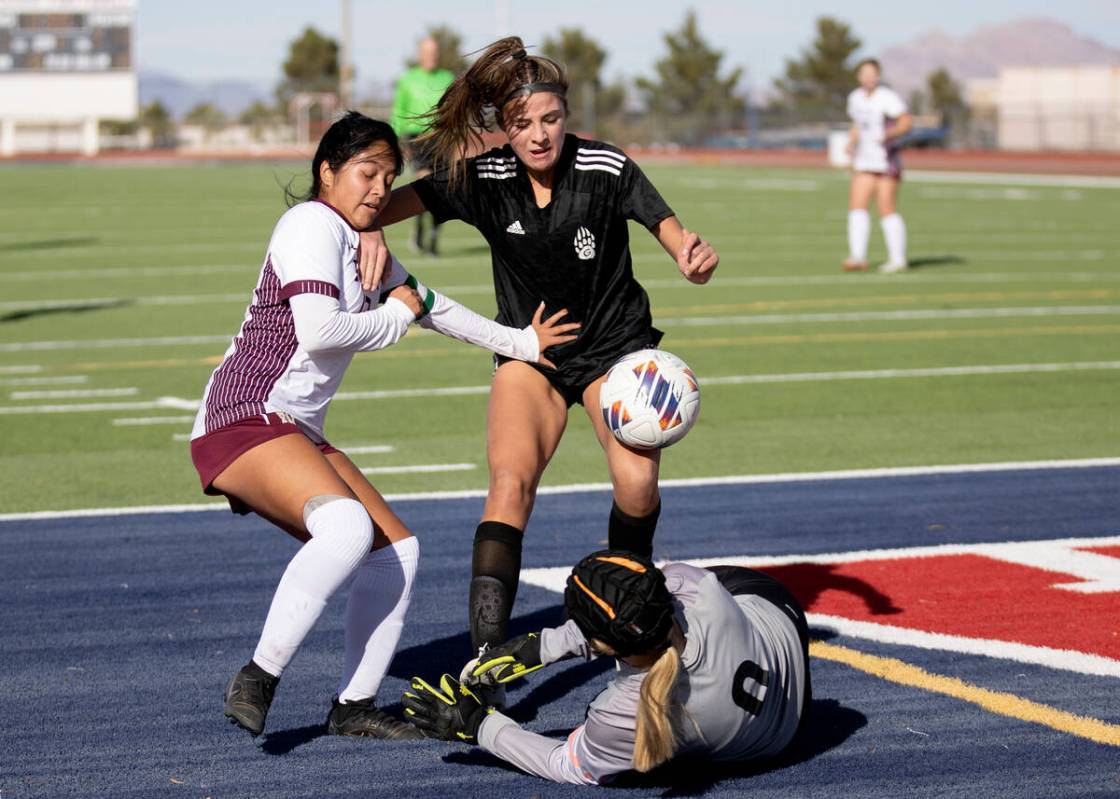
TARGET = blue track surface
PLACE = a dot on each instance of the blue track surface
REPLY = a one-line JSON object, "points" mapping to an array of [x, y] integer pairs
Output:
{"points": [[119, 633]]}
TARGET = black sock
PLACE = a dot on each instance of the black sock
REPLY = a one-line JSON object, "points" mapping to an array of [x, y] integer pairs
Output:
{"points": [[433, 241], [495, 571], [632, 533]]}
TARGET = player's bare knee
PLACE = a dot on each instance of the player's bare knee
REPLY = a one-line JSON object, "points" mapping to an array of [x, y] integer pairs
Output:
{"points": [[637, 497], [512, 487]]}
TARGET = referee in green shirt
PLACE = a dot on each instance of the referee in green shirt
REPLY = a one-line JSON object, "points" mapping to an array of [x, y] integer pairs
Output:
{"points": [[417, 93]]}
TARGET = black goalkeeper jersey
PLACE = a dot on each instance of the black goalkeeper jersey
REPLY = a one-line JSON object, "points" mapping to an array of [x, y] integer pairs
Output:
{"points": [[574, 253]]}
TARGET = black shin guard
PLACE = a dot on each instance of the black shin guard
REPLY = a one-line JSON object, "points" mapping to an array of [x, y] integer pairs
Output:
{"points": [[632, 533], [495, 570]]}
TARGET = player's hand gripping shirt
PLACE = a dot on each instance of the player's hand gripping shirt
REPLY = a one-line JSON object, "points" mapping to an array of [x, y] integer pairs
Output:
{"points": [[741, 681], [874, 114], [308, 317], [574, 253]]}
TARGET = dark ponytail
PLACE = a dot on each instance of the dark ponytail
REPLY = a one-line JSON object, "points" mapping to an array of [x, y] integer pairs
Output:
{"points": [[345, 138], [490, 84]]}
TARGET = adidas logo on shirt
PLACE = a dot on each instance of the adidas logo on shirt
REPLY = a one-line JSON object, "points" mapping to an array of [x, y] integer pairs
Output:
{"points": [[515, 227]]}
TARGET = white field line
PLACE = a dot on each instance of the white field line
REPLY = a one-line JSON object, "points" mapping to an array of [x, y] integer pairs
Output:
{"points": [[369, 449], [580, 488], [111, 302], [815, 255], [917, 275], [1062, 557], [128, 272], [689, 321], [423, 468], [144, 421], [175, 403], [1064, 659], [485, 289], [113, 343], [724, 380], [1000, 179], [44, 381], [28, 369], [180, 437], [883, 374], [1026, 553], [884, 316], [76, 393]]}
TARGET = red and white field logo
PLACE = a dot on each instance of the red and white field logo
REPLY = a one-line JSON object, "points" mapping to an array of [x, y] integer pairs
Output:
{"points": [[1051, 603]]}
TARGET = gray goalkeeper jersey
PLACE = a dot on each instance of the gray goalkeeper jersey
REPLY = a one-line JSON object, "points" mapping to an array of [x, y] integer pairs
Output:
{"points": [[741, 686]]}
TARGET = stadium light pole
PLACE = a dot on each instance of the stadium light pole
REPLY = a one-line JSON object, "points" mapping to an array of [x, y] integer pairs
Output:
{"points": [[345, 69]]}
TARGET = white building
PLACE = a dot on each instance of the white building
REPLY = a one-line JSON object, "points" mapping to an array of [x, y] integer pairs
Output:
{"points": [[64, 66], [1059, 108]]}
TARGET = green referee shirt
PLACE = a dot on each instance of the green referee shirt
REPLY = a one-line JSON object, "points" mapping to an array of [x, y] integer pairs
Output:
{"points": [[417, 93]]}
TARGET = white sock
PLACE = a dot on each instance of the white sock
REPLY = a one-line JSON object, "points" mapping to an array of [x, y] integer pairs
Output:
{"points": [[894, 231], [375, 610], [342, 534], [859, 231]]}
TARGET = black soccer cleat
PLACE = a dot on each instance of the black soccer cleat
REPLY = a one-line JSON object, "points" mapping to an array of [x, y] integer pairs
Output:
{"points": [[248, 698], [364, 719]]}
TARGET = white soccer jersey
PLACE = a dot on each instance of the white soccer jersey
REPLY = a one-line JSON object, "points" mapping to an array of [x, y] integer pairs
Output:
{"points": [[874, 114], [308, 317], [742, 682]]}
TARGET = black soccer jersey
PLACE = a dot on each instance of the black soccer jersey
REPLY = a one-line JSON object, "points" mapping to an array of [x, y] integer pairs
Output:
{"points": [[574, 253]]}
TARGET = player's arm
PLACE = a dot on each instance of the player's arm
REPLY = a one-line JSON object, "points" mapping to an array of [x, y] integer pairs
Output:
{"points": [[374, 255], [322, 326], [539, 755], [444, 315], [696, 258], [902, 125], [451, 711], [853, 138], [527, 653], [307, 253]]}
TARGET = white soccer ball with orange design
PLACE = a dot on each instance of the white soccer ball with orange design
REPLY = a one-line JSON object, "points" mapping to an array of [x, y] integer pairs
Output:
{"points": [[650, 399]]}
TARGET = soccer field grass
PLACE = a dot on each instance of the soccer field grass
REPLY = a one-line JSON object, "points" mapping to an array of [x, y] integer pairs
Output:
{"points": [[121, 287]]}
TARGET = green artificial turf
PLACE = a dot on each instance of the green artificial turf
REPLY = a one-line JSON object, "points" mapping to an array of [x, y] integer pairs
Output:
{"points": [[98, 264]]}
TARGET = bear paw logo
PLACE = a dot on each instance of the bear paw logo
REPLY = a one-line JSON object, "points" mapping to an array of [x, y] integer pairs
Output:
{"points": [[585, 244]]}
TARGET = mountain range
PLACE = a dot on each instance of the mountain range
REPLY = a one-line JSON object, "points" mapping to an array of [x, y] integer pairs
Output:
{"points": [[980, 54], [1018, 43], [179, 96]]}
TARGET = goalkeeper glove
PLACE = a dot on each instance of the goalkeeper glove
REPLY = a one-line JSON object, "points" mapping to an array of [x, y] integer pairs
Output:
{"points": [[450, 712], [509, 661]]}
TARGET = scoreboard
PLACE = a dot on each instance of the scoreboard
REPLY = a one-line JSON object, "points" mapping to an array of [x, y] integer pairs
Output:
{"points": [[86, 36]]}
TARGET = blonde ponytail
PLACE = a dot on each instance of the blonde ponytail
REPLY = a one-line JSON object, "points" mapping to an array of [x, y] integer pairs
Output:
{"points": [[457, 122], [656, 737]]}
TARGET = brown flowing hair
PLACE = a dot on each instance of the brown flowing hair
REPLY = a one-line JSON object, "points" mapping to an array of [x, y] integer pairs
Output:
{"points": [[457, 122]]}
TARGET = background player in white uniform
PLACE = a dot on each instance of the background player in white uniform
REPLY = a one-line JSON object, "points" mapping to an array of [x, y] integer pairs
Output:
{"points": [[879, 121], [712, 665], [554, 209], [258, 438]]}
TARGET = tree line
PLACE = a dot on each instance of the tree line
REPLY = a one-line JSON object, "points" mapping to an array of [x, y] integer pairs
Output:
{"points": [[690, 96]]}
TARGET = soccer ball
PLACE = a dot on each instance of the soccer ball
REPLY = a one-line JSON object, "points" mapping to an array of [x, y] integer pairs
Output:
{"points": [[650, 399]]}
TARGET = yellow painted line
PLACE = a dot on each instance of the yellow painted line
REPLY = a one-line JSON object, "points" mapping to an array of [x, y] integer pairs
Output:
{"points": [[1003, 704], [891, 299]]}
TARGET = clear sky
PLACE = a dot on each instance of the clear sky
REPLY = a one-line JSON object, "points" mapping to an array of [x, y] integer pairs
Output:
{"points": [[247, 39]]}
